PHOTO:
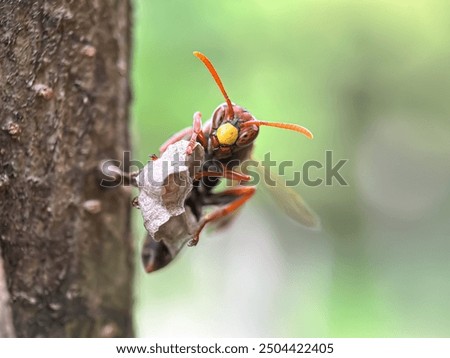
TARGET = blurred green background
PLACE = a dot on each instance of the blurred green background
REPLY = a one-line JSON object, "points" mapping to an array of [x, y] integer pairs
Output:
{"points": [[371, 80]]}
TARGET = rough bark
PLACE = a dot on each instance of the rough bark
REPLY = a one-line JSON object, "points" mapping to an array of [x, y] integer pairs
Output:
{"points": [[65, 241], [6, 324]]}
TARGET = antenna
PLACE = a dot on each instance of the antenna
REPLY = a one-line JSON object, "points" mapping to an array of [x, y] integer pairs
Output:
{"points": [[216, 77], [289, 126]]}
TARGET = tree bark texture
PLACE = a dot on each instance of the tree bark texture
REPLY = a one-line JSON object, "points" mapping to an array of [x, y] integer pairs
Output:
{"points": [[65, 242]]}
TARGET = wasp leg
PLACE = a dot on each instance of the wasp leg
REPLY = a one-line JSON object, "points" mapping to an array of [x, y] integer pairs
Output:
{"points": [[227, 174], [175, 138], [197, 134], [129, 178], [194, 133], [242, 193]]}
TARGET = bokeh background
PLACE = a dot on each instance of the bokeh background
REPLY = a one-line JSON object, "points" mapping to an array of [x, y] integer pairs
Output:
{"points": [[371, 79]]}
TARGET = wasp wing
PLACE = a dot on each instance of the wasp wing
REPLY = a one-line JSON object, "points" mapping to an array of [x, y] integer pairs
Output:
{"points": [[288, 199]]}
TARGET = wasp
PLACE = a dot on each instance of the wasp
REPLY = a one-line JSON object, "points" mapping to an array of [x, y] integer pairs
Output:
{"points": [[227, 139]]}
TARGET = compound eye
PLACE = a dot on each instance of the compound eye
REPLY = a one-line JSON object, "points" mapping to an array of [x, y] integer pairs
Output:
{"points": [[247, 136]]}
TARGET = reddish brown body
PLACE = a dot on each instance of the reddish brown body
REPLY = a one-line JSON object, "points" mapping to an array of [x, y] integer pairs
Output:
{"points": [[227, 139]]}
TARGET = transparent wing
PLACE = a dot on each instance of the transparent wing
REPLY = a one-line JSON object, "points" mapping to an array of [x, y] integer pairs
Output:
{"points": [[288, 199]]}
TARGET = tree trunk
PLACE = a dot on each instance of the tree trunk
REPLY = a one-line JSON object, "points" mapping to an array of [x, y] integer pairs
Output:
{"points": [[65, 241]]}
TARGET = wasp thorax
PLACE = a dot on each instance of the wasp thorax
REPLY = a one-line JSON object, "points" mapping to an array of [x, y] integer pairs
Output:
{"points": [[227, 134]]}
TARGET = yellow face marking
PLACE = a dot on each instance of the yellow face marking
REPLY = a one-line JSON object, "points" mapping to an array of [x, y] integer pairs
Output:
{"points": [[227, 134]]}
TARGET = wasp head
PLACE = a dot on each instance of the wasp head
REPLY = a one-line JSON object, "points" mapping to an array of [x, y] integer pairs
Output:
{"points": [[230, 134], [233, 127]]}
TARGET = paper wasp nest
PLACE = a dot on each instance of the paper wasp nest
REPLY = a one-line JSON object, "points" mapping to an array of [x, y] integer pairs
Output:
{"points": [[164, 186]]}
